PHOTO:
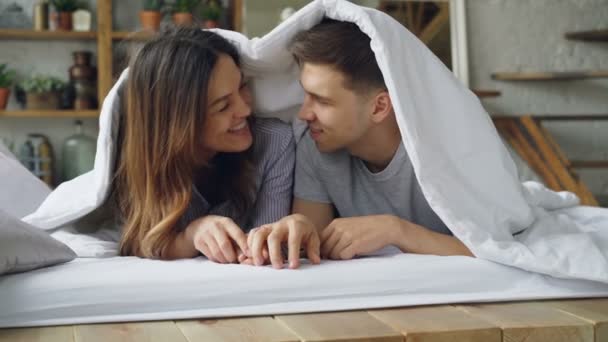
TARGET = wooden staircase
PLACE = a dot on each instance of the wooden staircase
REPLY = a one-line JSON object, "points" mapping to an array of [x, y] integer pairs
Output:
{"points": [[535, 145]]}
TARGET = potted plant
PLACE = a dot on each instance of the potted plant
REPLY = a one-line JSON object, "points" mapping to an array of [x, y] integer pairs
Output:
{"points": [[211, 14], [150, 16], [7, 76], [42, 92], [64, 9], [182, 12]]}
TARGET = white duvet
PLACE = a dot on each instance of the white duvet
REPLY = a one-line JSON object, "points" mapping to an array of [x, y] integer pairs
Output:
{"points": [[464, 170]]}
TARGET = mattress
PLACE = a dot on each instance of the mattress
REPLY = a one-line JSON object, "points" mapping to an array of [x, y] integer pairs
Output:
{"points": [[121, 289]]}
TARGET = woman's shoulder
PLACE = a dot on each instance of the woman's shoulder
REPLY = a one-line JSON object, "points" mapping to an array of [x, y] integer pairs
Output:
{"points": [[272, 131], [273, 141]]}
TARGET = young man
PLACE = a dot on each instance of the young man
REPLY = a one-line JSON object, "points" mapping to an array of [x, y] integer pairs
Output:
{"points": [[354, 181]]}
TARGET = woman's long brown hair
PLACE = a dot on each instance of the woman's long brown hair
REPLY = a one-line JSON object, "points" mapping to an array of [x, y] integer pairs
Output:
{"points": [[159, 140]]}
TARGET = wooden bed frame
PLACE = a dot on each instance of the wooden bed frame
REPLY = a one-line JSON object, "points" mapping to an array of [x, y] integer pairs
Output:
{"points": [[551, 321]]}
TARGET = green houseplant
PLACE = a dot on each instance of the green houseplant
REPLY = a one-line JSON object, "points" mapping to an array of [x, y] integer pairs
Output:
{"points": [[64, 10], [211, 14], [182, 11], [42, 92], [150, 17], [7, 77]]}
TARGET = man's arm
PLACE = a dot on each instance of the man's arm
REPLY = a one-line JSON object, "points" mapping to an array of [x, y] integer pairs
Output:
{"points": [[321, 214], [345, 238], [420, 240]]}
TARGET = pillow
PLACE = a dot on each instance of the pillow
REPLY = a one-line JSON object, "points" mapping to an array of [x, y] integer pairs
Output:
{"points": [[22, 192], [24, 247]]}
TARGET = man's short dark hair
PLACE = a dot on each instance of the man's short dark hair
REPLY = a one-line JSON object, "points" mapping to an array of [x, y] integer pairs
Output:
{"points": [[345, 47]]}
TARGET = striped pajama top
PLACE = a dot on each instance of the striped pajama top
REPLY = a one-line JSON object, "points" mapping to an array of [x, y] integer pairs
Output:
{"points": [[274, 162]]}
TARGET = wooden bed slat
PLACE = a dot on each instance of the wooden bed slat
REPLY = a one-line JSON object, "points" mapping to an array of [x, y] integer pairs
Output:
{"points": [[340, 326], [592, 310], [439, 324], [46, 334], [252, 329], [118, 332], [533, 322]]}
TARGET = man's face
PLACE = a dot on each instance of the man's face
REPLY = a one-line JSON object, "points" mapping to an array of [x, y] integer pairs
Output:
{"points": [[337, 117]]}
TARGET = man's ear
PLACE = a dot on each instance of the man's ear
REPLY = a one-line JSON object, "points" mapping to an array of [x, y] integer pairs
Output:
{"points": [[382, 106]]}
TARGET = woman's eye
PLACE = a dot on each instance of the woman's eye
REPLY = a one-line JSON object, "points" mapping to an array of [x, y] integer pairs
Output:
{"points": [[224, 107], [243, 85]]}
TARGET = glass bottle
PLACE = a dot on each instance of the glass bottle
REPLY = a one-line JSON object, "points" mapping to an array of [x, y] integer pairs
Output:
{"points": [[78, 154]]}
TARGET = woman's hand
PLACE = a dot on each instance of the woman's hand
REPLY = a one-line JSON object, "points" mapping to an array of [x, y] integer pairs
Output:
{"points": [[295, 230], [218, 238]]}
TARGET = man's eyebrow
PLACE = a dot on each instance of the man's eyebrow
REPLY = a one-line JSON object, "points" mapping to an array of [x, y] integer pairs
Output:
{"points": [[313, 94], [225, 97]]}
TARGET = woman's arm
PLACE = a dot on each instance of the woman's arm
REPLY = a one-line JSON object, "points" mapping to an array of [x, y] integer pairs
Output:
{"points": [[182, 246], [273, 200]]}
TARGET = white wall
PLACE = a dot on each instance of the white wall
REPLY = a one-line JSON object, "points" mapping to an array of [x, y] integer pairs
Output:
{"points": [[528, 35]]}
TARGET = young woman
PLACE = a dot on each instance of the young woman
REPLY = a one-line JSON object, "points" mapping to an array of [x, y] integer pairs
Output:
{"points": [[195, 171]]}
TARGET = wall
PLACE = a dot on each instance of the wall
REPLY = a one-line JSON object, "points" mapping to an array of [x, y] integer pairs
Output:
{"points": [[528, 35]]}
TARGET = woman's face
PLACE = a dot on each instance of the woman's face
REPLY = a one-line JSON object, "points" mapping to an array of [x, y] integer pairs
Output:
{"points": [[228, 105]]}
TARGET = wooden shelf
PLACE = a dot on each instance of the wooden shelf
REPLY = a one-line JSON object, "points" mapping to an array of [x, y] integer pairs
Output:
{"points": [[556, 117], [589, 164], [46, 35], [549, 76], [70, 113], [486, 93], [589, 36], [127, 35]]}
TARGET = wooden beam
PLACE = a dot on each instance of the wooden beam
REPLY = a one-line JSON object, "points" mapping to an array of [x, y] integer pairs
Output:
{"points": [[587, 197], [549, 76], [486, 93], [237, 329], [340, 326], [438, 323], [553, 117], [418, 21], [533, 322], [591, 310], [45, 334], [555, 146], [237, 15], [589, 36], [410, 17], [434, 27], [147, 331], [35, 113], [565, 178], [104, 49], [526, 151], [589, 164], [46, 35]]}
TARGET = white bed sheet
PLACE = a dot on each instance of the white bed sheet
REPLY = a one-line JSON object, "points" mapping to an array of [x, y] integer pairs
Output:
{"points": [[124, 289]]}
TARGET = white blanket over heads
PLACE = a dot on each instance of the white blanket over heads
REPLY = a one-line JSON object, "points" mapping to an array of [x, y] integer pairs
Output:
{"points": [[463, 168]]}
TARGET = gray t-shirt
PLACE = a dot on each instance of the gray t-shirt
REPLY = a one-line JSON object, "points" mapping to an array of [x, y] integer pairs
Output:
{"points": [[346, 182]]}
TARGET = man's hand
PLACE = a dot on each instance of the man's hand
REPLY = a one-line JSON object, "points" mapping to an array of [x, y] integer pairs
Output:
{"points": [[345, 238], [296, 230]]}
